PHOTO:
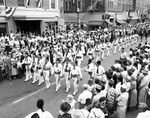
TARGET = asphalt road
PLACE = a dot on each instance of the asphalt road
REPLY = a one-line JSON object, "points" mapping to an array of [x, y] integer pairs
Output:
{"points": [[18, 98]]}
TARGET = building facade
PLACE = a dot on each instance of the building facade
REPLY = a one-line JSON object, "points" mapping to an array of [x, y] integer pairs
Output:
{"points": [[96, 12], [33, 16]]}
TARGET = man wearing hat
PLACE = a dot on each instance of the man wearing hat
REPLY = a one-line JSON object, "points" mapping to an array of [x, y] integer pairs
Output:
{"points": [[122, 100], [99, 71], [58, 70], [76, 75], [143, 86], [64, 110], [66, 69]]}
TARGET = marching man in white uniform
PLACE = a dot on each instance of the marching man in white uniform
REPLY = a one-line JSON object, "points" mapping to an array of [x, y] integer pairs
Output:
{"points": [[79, 57], [67, 70], [76, 76], [28, 62], [58, 70], [99, 72], [47, 71]]}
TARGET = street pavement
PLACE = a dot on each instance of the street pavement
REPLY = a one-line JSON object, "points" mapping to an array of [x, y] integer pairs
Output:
{"points": [[18, 98]]}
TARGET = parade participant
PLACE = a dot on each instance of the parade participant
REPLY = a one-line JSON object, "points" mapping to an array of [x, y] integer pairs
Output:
{"points": [[28, 62], [97, 51], [58, 70], [103, 46], [99, 72], [115, 44], [47, 71], [79, 56], [76, 75], [35, 69], [90, 52], [67, 68], [40, 71], [90, 67], [108, 47]]}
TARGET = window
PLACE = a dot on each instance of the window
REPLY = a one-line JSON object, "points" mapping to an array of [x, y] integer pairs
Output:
{"points": [[68, 5], [1, 2], [81, 4], [53, 4], [21, 3]]}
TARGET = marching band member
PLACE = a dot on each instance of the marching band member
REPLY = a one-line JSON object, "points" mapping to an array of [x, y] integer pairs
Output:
{"points": [[35, 69], [90, 53], [99, 72], [90, 67], [58, 73], [108, 48], [79, 57], [47, 71], [97, 51], [115, 43], [67, 69], [76, 75], [40, 71], [103, 46], [28, 62]]}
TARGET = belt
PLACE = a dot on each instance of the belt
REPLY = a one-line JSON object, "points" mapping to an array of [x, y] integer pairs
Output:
{"points": [[75, 76], [57, 72], [46, 69], [67, 70], [90, 53], [96, 50], [78, 57]]}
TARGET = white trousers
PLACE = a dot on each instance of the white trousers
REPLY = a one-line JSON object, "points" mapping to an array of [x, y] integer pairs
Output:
{"points": [[67, 80], [75, 84], [28, 75], [40, 77], [35, 76], [57, 80], [46, 75]]}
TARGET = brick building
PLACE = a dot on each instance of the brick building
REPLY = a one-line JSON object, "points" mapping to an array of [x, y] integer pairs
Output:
{"points": [[95, 12], [30, 15]]}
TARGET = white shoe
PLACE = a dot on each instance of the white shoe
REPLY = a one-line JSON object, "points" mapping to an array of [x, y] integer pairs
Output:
{"points": [[67, 90], [57, 89], [39, 84], [33, 82], [75, 92]]}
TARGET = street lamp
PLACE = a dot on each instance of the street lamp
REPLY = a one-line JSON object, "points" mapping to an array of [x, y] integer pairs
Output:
{"points": [[115, 6], [78, 12]]}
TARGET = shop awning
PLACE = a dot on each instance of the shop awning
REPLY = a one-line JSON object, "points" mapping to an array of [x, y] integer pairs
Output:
{"points": [[95, 22], [32, 18], [121, 22]]}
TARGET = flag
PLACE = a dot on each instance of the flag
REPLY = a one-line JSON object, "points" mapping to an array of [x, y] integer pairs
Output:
{"points": [[10, 11], [39, 3], [27, 2]]}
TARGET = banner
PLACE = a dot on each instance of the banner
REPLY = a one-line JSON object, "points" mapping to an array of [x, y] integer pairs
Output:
{"points": [[10, 11]]}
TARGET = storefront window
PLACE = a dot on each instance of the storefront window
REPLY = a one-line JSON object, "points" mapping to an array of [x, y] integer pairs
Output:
{"points": [[3, 29], [1, 2], [53, 4], [81, 4], [68, 5], [21, 3]]}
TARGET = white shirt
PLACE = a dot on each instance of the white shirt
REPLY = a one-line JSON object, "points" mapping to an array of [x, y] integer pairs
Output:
{"points": [[83, 96], [96, 113], [44, 114], [76, 71]]}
